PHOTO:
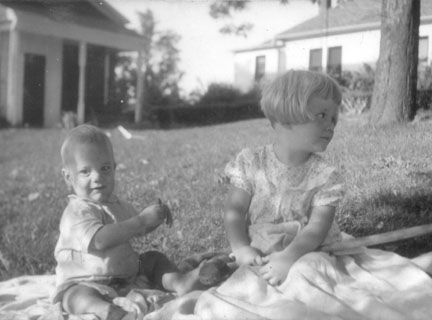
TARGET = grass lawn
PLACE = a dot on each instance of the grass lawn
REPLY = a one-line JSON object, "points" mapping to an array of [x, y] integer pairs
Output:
{"points": [[388, 174]]}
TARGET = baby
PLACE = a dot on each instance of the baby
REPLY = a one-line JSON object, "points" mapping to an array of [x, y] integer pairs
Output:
{"points": [[95, 261], [283, 195]]}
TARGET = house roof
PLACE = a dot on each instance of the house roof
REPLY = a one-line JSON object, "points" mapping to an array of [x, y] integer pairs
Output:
{"points": [[89, 13], [270, 44], [347, 16]]}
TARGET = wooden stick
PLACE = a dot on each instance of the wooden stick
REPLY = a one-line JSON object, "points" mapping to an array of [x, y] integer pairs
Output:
{"points": [[127, 135], [379, 238]]}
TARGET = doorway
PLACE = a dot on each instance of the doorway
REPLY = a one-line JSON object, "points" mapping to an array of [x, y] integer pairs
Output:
{"points": [[70, 77], [34, 89]]}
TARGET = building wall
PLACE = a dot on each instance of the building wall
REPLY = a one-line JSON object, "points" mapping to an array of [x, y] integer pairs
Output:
{"points": [[426, 31], [244, 66], [357, 48]]}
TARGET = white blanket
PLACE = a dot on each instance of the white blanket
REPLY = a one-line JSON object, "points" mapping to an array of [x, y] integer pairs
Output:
{"points": [[374, 284], [371, 285]]}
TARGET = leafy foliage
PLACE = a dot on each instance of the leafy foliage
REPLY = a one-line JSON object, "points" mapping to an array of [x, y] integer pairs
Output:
{"points": [[424, 90], [221, 9], [219, 93], [238, 30], [220, 103], [224, 9], [361, 80], [424, 79], [159, 64], [357, 87]]}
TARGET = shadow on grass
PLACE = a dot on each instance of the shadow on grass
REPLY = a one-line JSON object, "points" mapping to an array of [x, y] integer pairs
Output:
{"points": [[390, 211]]}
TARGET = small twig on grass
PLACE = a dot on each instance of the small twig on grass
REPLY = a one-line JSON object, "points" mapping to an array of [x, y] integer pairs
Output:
{"points": [[127, 135]]}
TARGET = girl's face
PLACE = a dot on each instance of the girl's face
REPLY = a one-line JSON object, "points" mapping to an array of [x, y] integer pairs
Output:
{"points": [[91, 174], [315, 135]]}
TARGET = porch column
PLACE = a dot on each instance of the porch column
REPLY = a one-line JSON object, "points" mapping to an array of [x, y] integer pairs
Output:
{"points": [[324, 57], [14, 105], [81, 82], [139, 89], [106, 76], [281, 60], [324, 5]]}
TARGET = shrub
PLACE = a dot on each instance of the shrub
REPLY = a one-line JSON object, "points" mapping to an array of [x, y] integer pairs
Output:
{"points": [[357, 87], [219, 93], [3, 122], [211, 114], [220, 103], [424, 88]]}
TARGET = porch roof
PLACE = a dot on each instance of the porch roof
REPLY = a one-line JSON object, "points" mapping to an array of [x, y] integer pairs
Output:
{"points": [[94, 22]]}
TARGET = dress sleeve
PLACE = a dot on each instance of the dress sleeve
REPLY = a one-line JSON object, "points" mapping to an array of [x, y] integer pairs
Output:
{"points": [[332, 189], [238, 171]]}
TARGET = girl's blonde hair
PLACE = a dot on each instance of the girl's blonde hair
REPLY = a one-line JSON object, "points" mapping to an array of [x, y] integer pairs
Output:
{"points": [[285, 98]]}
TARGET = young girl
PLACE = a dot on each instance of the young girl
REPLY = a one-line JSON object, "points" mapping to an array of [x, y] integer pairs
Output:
{"points": [[284, 195]]}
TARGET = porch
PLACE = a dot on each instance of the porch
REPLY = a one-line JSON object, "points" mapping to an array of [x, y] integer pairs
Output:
{"points": [[54, 59]]}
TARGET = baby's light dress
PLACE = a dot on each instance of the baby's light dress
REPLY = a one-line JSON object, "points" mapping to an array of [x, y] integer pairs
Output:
{"points": [[283, 196]]}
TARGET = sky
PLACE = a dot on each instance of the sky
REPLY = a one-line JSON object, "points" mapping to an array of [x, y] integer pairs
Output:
{"points": [[206, 55]]}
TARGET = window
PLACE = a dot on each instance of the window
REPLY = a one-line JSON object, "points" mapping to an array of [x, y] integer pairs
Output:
{"points": [[259, 67], [423, 49], [315, 60], [334, 61]]}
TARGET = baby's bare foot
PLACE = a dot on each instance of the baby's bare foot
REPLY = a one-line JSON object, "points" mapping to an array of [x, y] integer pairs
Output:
{"points": [[189, 281], [207, 274], [183, 282]]}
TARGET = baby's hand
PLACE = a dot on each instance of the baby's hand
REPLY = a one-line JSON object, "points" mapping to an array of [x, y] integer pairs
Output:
{"points": [[246, 255], [154, 215], [275, 268]]}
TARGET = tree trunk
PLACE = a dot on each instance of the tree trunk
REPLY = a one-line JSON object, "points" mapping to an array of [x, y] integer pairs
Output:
{"points": [[394, 96]]}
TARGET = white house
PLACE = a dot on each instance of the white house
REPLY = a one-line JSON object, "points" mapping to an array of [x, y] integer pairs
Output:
{"points": [[58, 56], [342, 36]]}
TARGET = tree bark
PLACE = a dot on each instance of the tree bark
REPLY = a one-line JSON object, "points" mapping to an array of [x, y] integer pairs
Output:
{"points": [[394, 96]]}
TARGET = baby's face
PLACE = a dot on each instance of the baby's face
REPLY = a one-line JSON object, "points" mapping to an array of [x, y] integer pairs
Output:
{"points": [[92, 172]]}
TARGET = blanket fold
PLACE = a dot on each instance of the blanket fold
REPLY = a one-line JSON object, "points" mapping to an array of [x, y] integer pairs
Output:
{"points": [[372, 284]]}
